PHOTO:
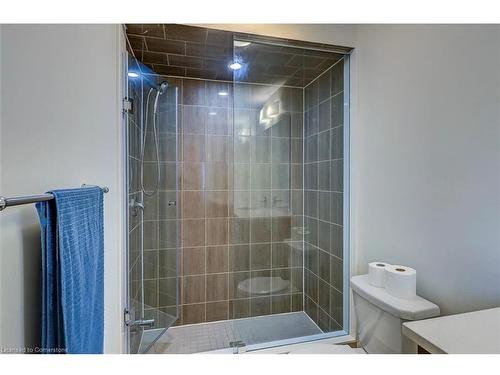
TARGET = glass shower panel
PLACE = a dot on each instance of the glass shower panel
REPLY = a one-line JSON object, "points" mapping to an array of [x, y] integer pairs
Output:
{"points": [[325, 267], [266, 287], [135, 259], [153, 210], [287, 279]]}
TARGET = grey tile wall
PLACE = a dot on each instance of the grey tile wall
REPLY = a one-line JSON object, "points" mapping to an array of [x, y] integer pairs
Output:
{"points": [[267, 199], [323, 208], [238, 203], [249, 188]]}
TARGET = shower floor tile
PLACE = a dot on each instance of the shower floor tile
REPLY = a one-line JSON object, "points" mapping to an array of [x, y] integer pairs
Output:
{"points": [[204, 337]]}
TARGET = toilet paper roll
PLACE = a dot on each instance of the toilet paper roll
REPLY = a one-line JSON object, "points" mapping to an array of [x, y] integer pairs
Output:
{"points": [[401, 281], [376, 273]]}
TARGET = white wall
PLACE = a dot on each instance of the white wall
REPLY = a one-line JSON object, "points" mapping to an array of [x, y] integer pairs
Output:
{"points": [[425, 152], [60, 127]]}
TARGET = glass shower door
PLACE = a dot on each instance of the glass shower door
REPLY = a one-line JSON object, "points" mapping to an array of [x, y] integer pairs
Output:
{"points": [[267, 289], [151, 106], [289, 166]]}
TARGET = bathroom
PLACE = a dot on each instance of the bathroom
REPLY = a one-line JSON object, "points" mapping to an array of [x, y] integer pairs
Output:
{"points": [[250, 173]]}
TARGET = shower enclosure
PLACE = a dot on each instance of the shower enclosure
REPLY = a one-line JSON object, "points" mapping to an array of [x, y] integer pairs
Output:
{"points": [[245, 241]]}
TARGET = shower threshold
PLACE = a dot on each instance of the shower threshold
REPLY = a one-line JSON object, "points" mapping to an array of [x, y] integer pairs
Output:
{"points": [[204, 337]]}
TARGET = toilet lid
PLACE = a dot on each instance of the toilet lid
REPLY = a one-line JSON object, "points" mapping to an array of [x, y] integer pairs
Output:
{"points": [[408, 309], [263, 285]]}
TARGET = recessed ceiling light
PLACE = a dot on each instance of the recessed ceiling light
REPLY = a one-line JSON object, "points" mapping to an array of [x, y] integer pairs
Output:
{"points": [[212, 113], [240, 43], [132, 74], [235, 65], [223, 93]]}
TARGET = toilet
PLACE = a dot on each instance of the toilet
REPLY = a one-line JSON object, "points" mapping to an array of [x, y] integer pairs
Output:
{"points": [[379, 317]]}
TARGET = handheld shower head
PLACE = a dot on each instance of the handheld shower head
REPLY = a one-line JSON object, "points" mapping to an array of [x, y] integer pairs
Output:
{"points": [[162, 87], [160, 90]]}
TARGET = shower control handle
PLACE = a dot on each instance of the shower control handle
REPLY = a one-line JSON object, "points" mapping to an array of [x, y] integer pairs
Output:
{"points": [[276, 200], [263, 200]]}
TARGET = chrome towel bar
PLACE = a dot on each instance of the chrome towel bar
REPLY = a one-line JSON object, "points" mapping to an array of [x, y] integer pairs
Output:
{"points": [[26, 199]]}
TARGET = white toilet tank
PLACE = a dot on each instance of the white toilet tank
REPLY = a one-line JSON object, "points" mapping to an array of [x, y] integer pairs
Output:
{"points": [[379, 317]]}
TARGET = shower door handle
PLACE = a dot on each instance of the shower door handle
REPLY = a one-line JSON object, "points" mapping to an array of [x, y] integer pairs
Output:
{"points": [[135, 206], [150, 323]]}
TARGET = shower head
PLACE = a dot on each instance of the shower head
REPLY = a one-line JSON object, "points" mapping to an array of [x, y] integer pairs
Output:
{"points": [[160, 90], [162, 87]]}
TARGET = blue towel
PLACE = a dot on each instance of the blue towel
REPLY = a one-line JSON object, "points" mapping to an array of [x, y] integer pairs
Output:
{"points": [[73, 271]]}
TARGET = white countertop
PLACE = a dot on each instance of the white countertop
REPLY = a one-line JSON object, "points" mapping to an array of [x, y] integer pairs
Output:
{"points": [[474, 332]]}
